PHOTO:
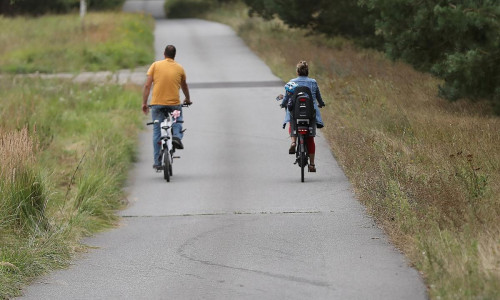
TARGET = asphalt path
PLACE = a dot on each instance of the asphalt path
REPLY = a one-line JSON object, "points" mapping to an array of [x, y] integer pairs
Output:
{"points": [[235, 222], [152, 7]]}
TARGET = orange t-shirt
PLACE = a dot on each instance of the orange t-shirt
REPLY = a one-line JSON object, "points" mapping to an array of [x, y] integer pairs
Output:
{"points": [[167, 76]]}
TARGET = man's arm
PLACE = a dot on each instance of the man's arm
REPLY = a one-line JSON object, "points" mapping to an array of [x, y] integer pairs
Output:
{"points": [[185, 90], [145, 94]]}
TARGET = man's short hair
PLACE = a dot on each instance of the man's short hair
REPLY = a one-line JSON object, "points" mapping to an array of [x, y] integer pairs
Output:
{"points": [[170, 51]]}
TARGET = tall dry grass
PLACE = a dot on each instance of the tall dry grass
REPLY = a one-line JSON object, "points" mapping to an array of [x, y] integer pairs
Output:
{"points": [[17, 151], [428, 170], [22, 195]]}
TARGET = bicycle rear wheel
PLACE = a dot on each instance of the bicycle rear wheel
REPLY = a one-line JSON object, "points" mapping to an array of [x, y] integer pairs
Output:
{"points": [[302, 165], [167, 166], [302, 156]]}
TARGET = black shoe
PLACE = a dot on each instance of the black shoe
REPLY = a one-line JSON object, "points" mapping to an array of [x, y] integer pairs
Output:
{"points": [[177, 143], [158, 167], [319, 125], [291, 150]]}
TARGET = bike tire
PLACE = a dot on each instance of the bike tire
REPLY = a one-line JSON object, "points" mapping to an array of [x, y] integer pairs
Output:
{"points": [[302, 165], [301, 150], [166, 166]]}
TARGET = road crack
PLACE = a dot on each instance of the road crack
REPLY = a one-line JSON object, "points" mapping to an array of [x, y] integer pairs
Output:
{"points": [[192, 241]]}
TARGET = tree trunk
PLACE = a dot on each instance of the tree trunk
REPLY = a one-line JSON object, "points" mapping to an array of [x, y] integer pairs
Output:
{"points": [[83, 11]]}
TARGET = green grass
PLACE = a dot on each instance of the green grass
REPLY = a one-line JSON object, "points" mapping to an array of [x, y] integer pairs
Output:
{"points": [[428, 170], [59, 43], [78, 142], [65, 148]]}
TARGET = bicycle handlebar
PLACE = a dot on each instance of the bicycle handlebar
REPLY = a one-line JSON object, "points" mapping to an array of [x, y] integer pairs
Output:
{"points": [[183, 105]]}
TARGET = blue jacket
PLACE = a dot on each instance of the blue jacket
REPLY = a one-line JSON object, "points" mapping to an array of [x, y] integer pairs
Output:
{"points": [[313, 86]]}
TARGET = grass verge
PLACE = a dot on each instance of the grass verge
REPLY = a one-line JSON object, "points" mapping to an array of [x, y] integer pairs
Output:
{"points": [[428, 170], [59, 43], [65, 148], [65, 152]]}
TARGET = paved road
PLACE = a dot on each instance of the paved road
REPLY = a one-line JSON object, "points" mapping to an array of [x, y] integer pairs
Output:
{"points": [[234, 222], [153, 7]]}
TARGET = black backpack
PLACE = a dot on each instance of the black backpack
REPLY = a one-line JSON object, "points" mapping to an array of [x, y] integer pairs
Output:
{"points": [[301, 104]]}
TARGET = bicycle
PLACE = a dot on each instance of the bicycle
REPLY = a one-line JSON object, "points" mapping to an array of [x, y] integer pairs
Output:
{"points": [[167, 150], [303, 121]]}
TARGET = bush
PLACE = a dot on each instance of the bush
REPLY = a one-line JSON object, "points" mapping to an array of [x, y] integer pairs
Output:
{"points": [[176, 9], [457, 42], [105, 4], [37, 7], [332, 17], [471, 73]]}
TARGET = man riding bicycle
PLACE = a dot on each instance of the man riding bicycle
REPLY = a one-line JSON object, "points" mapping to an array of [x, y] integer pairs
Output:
{"points": [[166, 77]]}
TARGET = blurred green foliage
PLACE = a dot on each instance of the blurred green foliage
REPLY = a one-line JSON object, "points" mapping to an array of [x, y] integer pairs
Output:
{"points": [[459, 41], [37, 7], [108, 41], [337, 17], [177, 9]]}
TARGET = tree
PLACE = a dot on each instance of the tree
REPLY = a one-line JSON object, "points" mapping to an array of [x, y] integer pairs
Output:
{"points": [[83, 9], [332, 17], [39, 7], [470, 66], [458, 41], [35, 7]]}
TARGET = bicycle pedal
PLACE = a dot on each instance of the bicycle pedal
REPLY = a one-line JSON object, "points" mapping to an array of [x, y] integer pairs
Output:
{"points": [[176, 157]]}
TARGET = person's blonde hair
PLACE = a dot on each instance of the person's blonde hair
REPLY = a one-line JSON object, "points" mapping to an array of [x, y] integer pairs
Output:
{"points": [[303, 68]]}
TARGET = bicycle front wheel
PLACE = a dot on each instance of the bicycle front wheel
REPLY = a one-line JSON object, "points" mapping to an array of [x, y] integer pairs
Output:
{"points": [[167, 166]]}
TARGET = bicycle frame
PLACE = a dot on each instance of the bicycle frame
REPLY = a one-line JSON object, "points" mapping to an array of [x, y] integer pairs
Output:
{"points": [[167, 150], [166, 142], [166, 155]]}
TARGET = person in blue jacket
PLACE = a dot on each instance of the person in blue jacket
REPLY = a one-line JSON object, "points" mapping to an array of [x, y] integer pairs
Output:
{"points": [[303, 79]]}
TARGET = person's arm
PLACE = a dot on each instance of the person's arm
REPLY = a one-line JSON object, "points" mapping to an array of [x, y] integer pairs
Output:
{"points": [[318, 97], [185, 90], [145, 94], [290, 101], [285, 99]]}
